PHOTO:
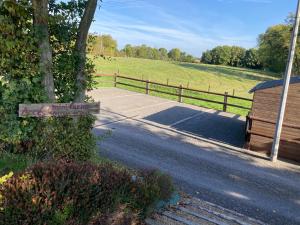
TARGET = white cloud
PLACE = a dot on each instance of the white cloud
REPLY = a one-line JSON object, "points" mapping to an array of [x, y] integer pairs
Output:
{"points": [[171, 31]]}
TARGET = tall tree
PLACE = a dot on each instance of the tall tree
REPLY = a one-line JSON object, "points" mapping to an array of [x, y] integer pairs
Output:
{"points": [[274, 47], [40, 21], [80, 48]]}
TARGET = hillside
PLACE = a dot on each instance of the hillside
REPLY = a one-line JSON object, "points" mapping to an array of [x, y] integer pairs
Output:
{"points": [[200, 76]]}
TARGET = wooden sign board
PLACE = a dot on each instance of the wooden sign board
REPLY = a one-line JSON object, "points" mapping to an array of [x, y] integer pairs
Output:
{"points": [[58, 109]]}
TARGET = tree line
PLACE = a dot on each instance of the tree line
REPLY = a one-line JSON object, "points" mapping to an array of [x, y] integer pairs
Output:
{"points": [[107, 46], [232, 56], [146, 52], [271, 53]]}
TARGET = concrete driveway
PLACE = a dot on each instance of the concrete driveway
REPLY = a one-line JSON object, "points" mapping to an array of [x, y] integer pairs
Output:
{"points": [[195, 146]]}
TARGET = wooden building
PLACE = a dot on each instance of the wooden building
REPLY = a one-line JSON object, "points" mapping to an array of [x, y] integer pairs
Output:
{"points": [[262, 119]]}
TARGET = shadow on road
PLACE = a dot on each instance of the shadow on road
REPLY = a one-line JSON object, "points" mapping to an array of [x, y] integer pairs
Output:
{"points": [[209, 125]]}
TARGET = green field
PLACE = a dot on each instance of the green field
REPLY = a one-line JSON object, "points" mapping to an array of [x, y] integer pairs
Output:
{"points": [[221, 79]]}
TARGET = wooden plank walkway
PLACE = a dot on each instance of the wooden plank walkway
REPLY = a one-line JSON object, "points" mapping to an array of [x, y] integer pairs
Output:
{"points": [[193, 211]]}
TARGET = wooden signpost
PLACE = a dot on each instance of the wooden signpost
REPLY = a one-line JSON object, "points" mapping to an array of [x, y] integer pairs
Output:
{"points": [[58, 109]]}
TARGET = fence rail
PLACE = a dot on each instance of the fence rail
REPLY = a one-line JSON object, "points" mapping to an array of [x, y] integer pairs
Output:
{"points": [[179, 91]]}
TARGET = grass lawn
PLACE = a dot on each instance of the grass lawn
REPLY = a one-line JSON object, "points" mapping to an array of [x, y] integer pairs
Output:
{"points": [[219, 79]]}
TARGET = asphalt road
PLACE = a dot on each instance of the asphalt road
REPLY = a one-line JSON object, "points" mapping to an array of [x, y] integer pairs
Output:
{"points": [[150, 132]]}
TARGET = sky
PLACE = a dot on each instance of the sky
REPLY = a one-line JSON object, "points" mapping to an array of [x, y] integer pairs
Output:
{"points": [[191, 25]]}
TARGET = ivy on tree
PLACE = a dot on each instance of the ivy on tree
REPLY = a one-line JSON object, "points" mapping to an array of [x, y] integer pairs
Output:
{"points": [[43, 59]]}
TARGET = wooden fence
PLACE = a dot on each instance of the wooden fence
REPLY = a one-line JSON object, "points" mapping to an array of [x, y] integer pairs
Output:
{"points": [[180, 91]]}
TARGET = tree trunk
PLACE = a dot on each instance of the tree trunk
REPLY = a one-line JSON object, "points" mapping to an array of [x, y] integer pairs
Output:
{"points": [[80, 48], [40, 21]]}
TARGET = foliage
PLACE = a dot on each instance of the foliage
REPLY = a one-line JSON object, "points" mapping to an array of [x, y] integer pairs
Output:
{"points": [[153, 187], [251, 59], [21, 81], [104, 45], [62, 138], [272, 52], [174, 54], [237, 55], [18, 68], [274, 48], [11, 162], [232, 56], [62, 192]]}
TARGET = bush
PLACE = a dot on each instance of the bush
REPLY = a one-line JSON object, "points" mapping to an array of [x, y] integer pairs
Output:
{"points": [[63, 192], [64, 138], [11, 162], [152, 187]]}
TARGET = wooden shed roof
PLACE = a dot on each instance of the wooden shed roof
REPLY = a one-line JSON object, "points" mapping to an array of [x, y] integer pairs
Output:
{"points": [[273, 83]]}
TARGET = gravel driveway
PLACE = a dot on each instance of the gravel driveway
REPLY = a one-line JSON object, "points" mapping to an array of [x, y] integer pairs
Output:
{"points": [[196, 147]]}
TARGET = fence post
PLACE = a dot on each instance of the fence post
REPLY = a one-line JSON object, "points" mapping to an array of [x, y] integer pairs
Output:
{"points": [[180, 93], [233, 92], [168, 81], [225, 102], [115, 80], [147, 87], [209, 88]]}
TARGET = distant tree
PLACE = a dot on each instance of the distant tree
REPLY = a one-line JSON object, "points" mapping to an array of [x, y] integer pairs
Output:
{"points": [[206, 57], [146, 52], [182, 57], [251, 59], [236, 56], [163, 53], [109, 44], [155, 54], [221, 55], [104, 45], [142, 52], [174, 54], [129, 51], [190, 58]]}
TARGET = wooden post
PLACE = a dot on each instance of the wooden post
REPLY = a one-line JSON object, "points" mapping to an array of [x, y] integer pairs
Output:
{"points": [[168, 81], [115, 80], [209, 88], [180, 93], [147, 87], [225, 102], [233, 92]]}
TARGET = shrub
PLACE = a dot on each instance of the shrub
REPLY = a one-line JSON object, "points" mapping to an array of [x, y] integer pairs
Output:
{"points": [[77, 193], [12, 162], [64, 138], [152, 187]]}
